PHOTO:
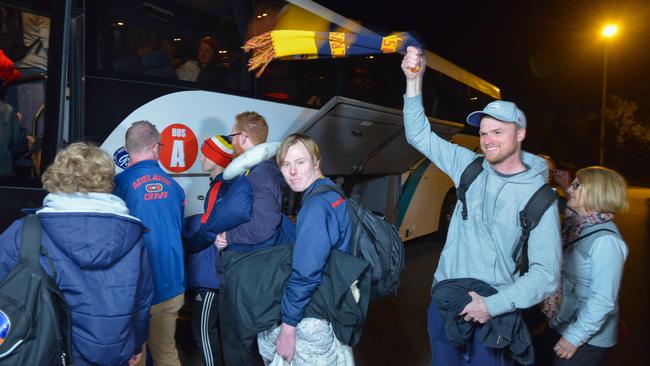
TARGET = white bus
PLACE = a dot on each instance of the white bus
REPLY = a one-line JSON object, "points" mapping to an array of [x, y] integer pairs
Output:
{"points": [[114, 62]]}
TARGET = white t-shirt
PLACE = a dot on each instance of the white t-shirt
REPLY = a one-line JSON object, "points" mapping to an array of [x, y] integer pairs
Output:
{"points": [[35, 27], [188, 71]]}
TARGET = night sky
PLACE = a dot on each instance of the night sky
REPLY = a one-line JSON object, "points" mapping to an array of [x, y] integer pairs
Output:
{"points": [[547, 56], [542, 54]]}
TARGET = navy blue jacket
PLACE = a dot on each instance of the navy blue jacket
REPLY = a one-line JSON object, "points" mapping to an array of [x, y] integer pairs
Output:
{"points": [[103, 272], [265, 224], [155, 198], [224, 208], [323, 225]]}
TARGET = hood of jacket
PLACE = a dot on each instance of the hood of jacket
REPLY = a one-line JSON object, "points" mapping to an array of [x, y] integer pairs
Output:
{"points": [[250, 158], [94, 230]]}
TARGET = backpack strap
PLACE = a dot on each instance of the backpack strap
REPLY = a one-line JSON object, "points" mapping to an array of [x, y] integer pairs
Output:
{"points": [[469, 175], [529, 217], [30, 241], [322, 189], [568, 245]]}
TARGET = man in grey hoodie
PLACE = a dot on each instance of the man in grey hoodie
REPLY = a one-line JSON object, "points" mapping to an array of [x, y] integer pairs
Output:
{"points": [[481, 246]]}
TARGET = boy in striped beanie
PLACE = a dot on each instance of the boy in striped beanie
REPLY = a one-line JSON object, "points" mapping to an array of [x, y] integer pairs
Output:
{"points": [[216, 154]]}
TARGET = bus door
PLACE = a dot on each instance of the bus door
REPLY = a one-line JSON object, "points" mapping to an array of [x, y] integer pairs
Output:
{"points": [[35, 36]]}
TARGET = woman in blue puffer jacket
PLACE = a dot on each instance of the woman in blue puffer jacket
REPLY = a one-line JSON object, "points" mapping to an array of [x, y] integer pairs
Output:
{"points": [[99, 255]]}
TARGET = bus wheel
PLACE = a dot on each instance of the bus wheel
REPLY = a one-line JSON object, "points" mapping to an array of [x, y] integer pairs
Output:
{"points": [[446, 211]]}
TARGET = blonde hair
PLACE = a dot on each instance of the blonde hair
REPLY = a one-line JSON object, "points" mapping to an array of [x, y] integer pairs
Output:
{"points": [[604, 190], [80, 167], [293, 139], [254, 125]]}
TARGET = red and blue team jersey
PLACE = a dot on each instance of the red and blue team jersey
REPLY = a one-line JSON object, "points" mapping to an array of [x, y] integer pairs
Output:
{"points": [[159, 202]]}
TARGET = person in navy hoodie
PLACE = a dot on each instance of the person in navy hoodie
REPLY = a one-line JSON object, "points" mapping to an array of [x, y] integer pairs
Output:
{"points": [[156, 199], [99, 257], [323, 225], [202, 276], [249, 133]]}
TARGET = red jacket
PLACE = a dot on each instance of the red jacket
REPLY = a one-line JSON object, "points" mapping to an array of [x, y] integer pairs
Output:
{"points": [[8, 72]]}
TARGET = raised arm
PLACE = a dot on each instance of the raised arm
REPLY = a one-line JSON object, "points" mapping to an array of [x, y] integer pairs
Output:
{"points": [[450, 158]]}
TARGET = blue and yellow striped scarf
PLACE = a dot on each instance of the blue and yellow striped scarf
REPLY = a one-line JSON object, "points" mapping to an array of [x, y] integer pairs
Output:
{"points": [[280, 43]]}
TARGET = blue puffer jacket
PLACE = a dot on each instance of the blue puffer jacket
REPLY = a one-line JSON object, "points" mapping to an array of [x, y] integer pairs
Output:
{"points": [[323, 225], [103, 272]]}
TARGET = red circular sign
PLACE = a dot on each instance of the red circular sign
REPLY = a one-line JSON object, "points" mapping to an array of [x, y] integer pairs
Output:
{"points": [[179, 149]]}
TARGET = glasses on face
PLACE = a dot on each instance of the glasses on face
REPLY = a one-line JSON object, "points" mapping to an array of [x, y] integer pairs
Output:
{"points": [[228, 138], [575, 184]]}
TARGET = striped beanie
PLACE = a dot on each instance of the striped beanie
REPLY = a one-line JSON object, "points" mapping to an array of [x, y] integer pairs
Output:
{"points": [[217, 149]]}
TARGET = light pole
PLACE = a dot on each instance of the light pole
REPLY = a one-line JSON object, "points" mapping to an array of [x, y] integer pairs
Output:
{"points": [[608, 32]]}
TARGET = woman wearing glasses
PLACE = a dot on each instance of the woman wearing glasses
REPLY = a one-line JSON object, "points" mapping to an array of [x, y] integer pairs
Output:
{"points": [[584, 326]]}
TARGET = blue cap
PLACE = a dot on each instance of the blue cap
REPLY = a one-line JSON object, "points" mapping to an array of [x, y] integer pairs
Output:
{"points": [[501, 110]]}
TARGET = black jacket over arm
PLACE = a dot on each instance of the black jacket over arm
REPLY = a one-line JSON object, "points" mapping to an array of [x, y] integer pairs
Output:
{"points": [[506, 330], [256, 281]]}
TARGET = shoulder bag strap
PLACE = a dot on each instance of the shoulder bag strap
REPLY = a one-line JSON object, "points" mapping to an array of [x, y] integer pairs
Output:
{"points": [[529, 217], [468, 176], [30, 241]]}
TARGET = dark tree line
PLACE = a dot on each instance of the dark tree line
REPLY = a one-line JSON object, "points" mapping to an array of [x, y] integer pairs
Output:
{"points": [[572, 138]]}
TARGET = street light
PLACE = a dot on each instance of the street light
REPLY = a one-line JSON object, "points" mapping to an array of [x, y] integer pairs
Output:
{"points": [[608, 32]]}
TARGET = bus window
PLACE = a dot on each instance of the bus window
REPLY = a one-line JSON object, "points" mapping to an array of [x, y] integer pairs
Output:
{"points": [[303, 82], [189, 42], [455, 100], [307, 82], [360, 85], [450, 100], [25, 40], [371, 79], [431, 98], [477, 100]]}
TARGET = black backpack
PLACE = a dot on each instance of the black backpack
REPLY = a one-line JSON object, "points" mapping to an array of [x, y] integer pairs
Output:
{"points": [[529, 217], [375, 240], [34, 317]]}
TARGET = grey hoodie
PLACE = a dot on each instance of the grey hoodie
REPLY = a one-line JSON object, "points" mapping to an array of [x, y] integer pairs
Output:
{"points": [[481, 246]]}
